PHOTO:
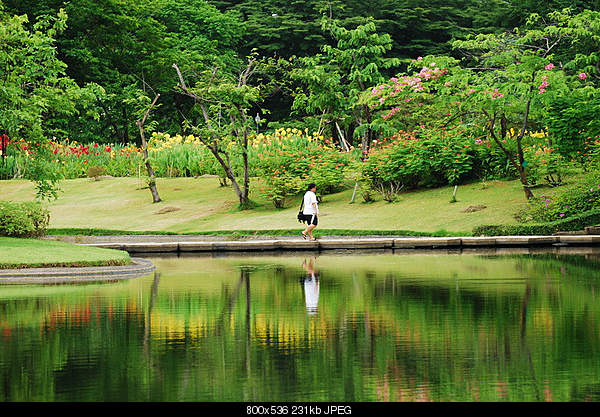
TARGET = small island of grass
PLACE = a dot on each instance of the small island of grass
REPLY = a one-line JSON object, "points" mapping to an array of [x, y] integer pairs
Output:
{"points": [[34, 253]]}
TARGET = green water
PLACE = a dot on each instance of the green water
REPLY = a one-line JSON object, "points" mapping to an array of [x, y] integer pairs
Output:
{"points": [[371, 327]]}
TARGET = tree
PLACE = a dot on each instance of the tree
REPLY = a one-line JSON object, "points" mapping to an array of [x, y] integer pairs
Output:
{"points": [[152, 177], [34, 87], [505, 83], [334, 80], [124, 45], [224, 103]]}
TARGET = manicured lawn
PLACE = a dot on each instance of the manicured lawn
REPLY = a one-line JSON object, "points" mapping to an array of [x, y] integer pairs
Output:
{"points": [[199, 205], [21, 253]]}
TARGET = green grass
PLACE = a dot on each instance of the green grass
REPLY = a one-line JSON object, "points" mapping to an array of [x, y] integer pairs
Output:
{"points": [[33, 253], [199, 205]]}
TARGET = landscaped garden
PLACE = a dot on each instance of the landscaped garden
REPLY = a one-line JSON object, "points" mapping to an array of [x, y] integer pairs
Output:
{"points": [[449, 122]]}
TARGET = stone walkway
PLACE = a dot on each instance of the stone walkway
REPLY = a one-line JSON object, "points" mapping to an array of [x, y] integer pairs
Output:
{"points": [[203, 243]]}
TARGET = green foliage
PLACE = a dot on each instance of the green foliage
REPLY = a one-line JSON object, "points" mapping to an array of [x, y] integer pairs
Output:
{"points": [[547, 164], [290, 160], [566, 202], [428, 157], [332, 81], [572, 120], [35, 88], [27, 219], [573, 223]]}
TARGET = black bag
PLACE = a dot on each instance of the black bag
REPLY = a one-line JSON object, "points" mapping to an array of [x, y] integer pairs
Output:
{"points": [[300, 214]]}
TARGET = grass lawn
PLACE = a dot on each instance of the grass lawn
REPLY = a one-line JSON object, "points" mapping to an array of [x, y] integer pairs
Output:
{"points": [[193, 205], [29, 253]]}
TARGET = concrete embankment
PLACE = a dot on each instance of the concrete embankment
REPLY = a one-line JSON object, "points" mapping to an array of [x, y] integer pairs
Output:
{"points": [[72, 275], [147, 244]]}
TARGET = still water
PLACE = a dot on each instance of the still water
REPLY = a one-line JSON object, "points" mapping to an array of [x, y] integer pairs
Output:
{"points": [[330, 327]]}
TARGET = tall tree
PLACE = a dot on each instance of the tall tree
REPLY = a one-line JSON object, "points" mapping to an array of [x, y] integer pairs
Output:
{"points": [[34, 88], [224, 102], [124, 45], [333, 81]]}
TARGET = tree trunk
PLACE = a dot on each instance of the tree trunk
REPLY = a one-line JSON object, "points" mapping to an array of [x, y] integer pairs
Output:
{"points": [[518, 165], [152, 181], [246, 169]]}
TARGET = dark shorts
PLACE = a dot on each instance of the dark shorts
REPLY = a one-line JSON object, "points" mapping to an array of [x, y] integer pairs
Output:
{"points": [[310, 219]]}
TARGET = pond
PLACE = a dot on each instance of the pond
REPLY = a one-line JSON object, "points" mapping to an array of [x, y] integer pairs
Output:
{"points": [[409, 326]]}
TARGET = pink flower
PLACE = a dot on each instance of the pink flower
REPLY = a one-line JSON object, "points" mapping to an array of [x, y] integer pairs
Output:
{"points": [[550, 67], [582, 76], [561, 215], [478, 141], [495, 94]]}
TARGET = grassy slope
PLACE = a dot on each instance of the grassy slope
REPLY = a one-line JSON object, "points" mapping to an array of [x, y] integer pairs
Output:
{"points": [[18, 253], [204, 206]]}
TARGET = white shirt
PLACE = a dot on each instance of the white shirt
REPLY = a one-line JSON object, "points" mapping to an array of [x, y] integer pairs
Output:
{"points": [[309, 199]]}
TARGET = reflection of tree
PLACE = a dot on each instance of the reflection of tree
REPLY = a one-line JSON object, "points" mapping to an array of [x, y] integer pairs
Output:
{"points": [[377, 337], [148, 322], [524, 345]]}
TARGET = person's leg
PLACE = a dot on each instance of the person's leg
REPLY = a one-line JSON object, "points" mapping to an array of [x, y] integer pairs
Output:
{"points": [[309, 230], [311, 225], [305, 231]]}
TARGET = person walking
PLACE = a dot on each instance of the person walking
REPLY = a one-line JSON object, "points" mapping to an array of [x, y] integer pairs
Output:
{"points": [[310, 212]]}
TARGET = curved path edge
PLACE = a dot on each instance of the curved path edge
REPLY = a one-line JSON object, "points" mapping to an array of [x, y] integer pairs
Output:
{"points": [[137, 268]]}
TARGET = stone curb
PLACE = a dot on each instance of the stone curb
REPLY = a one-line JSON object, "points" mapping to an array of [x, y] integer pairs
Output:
{"points": [[358, 243], [139, 267]]}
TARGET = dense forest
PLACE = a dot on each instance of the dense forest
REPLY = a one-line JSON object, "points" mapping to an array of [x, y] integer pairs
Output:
{"points": [[129, 46]]}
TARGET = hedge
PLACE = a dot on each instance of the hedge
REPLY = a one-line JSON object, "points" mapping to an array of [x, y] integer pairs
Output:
{"points": [[573, 223], [28, 219]]}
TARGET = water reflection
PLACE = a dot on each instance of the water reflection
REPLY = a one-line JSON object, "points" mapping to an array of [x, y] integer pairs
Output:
{"points": [[311, 286], [389, 328]]}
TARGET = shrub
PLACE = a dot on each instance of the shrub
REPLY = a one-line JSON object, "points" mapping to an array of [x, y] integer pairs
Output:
{"points": [[27, 219], [428, 157], [574, 223], [290, 159], [565, 202], [544, 163], [95, 171]]}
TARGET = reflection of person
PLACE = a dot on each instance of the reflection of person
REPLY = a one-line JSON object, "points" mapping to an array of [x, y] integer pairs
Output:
{"points": [[310, 211], [311, 286]]}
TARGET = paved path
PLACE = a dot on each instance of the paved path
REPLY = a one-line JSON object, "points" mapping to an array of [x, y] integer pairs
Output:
{"points": [[203, 243]]}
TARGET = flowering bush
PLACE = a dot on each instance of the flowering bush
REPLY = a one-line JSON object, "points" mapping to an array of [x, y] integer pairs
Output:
{"points": [[289, 159], [564, 203], [183, 156], [426, 157]]}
